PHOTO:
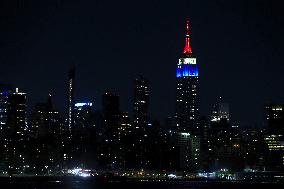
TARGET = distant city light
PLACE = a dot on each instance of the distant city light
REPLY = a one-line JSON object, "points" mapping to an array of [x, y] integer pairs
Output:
{"points": [[185, 134], [80, 172], [81, 104]]}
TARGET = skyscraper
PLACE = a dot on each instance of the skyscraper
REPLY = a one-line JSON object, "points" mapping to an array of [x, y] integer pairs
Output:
{"points": [[274, 117], [111, 145], [141, 102], [13, 125], [187, 88], [220, 116], [13, 110], [46, 142], [70, 117], [188, 137], [46, 120], [83, 112], [83, 134]]}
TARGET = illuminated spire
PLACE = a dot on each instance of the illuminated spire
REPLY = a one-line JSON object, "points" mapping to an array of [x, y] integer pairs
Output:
{"points": [[187, 48]]}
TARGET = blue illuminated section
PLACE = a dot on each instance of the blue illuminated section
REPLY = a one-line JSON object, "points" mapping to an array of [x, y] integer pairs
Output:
{"points": [[5, 93], [187, 70], [179, 72], [81, 104]]}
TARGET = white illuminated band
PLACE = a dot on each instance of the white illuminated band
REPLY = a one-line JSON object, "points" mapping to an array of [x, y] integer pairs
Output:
{"points": [[187, 61]]}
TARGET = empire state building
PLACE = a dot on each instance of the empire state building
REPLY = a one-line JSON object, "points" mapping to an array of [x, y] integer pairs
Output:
{"points": [[187, 88]]}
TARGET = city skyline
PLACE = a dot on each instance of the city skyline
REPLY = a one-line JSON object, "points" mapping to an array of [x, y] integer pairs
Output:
{"points": [[38, 43], [154, 92]]}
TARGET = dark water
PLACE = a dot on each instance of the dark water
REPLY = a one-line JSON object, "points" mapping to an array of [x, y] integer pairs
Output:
{"points": [[87, 183]]}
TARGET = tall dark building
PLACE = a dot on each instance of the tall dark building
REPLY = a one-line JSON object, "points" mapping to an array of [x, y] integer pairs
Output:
{"points": [[46, 120], [110, 103], [141, 102], [274, 117], [47, 143], [5, 91], [13, 126], [274, 138], [110, 150], [220, 111], [71, 81], [82, 112], [220, 116], [12, 108], [83, 135], [187, 88]]}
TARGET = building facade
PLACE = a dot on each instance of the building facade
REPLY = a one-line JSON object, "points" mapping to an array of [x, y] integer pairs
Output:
{"points": [[141, 102], [187, 116], [13, 127], [70, 103], [187, 88]]}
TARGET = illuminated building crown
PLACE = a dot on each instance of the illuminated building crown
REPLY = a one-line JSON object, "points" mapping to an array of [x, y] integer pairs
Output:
{"points": [[187, 48]]}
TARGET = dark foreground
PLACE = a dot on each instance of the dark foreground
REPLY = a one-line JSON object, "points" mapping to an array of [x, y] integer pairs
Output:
{"points": [[91, 183]]}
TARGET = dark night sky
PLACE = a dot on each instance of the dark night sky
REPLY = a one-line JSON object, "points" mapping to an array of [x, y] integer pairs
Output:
{"points": [[238, 44]]}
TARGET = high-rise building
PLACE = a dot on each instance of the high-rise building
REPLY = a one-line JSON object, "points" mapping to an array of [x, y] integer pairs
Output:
{"points": [[111, 109], [83, 112], [110, 151], [220, 111], [141, 102], [46, 119], [47, 137], [5, 91], [274, 138], [187, 91], [275, 144], [124, 123], [83, 135], [13, 109], [189, 151], [274, 116], [71, 82], [13, 125]]}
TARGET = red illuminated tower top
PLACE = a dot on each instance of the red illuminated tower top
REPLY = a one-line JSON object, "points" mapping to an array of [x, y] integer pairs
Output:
{"points": [[187, 48]]}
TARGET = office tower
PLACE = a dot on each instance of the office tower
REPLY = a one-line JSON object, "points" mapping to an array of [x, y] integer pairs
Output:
{"points": [[187, 88], [141, 103], [274, 117], [254, 147], [189, 151], [204, 142], [13, 109], [124, 124], [275, 155], [111, 145], [221, 111], [274, 137], [82, 114], [140, 121], [83, 135], [71, 89], [13, 125], [47, 142], [111, 110], [46, 120], [5, 91]]}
